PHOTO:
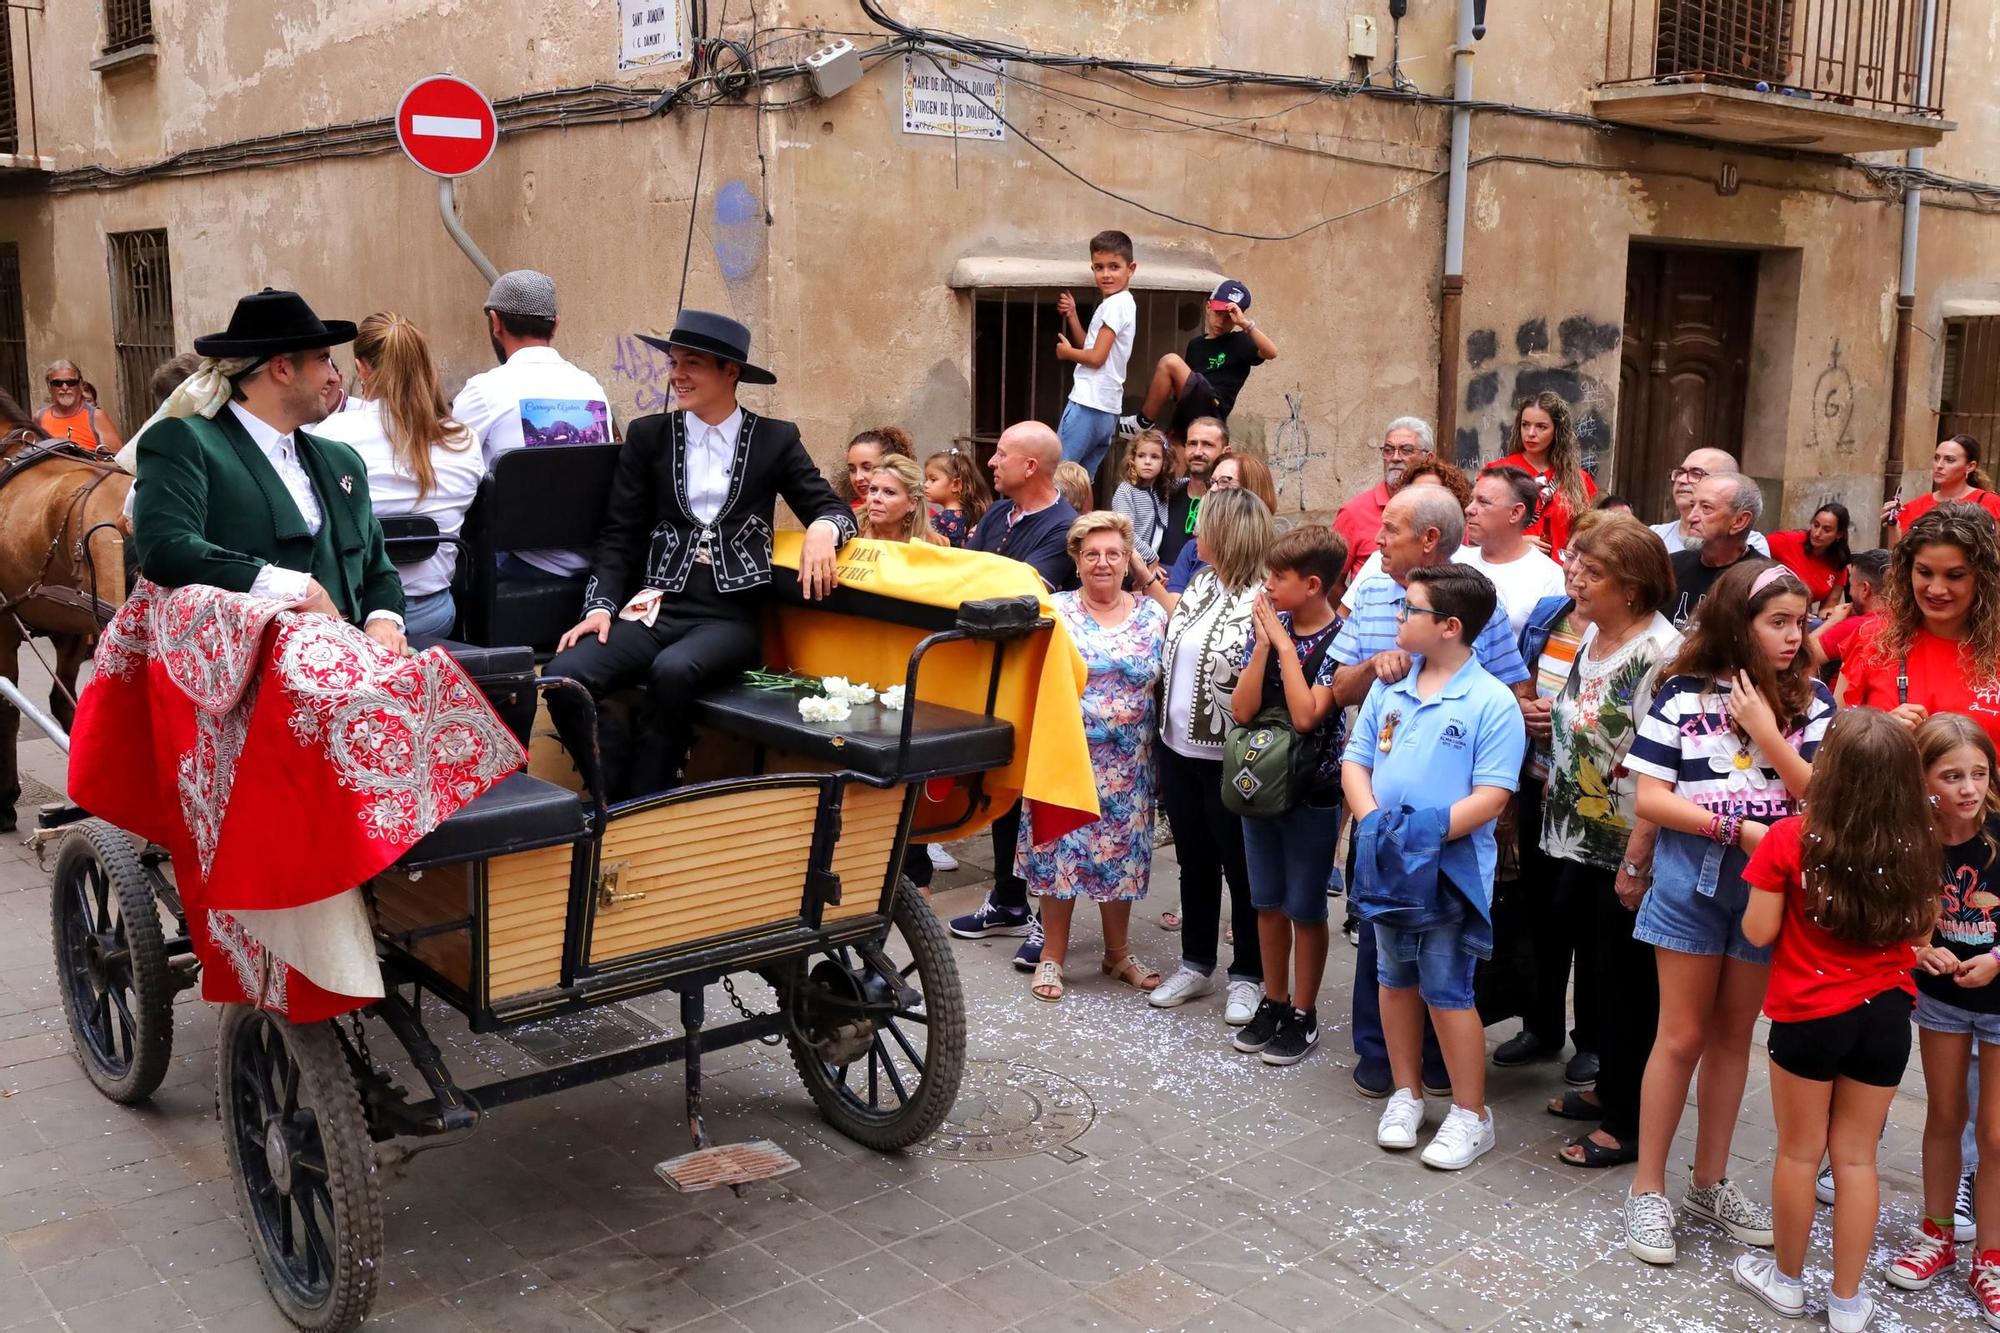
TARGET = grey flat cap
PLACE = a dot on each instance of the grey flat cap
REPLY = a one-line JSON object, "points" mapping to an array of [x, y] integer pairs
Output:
{"points": [[523, 292]]}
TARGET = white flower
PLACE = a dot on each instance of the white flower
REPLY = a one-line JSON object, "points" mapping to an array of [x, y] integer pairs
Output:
{"points": [[892, 698], [813, 708], [853, 692]]}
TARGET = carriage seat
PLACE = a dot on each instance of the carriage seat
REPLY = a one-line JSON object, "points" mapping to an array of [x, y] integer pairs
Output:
{"points": [[515, 814], [943, 740], [505, 675]]}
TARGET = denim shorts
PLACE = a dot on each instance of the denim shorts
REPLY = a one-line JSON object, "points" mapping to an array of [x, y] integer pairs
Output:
{"points": [[1674, 915], [1289, 859], [1934, 1015], [1434, 961], [1085, 432]]}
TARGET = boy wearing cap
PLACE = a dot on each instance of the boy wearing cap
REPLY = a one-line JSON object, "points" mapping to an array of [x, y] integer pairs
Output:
{"points": [[507, 407], [1205, 382]]}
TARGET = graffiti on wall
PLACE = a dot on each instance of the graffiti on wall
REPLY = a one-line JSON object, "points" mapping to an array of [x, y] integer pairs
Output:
{"points": [[639, 372], [1291, 454], [1833, 406], [1562, 363]]}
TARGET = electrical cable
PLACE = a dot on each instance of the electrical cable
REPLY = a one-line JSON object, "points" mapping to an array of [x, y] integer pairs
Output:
{"points": [[701, 157]]}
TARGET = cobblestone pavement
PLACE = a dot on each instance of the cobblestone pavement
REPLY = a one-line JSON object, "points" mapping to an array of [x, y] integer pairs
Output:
{"points": [[1166, 1183]]}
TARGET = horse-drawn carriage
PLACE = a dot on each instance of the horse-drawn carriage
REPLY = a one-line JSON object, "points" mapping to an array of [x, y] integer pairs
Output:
{"points": [[534, 901]]}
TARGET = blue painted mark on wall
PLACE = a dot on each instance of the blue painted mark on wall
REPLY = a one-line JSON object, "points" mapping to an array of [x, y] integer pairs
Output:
{"points": [[739, 231]]}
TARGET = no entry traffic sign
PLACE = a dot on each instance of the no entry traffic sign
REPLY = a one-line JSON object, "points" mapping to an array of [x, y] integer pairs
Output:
{"points": [[446, 126]]}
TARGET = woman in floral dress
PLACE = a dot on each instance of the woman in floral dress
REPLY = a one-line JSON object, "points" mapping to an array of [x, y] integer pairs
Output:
{"points": [[1110, 861], [1620, 577]]}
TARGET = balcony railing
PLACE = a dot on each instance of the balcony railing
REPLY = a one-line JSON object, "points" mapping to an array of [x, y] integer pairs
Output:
{"points": [[1878, 55]]}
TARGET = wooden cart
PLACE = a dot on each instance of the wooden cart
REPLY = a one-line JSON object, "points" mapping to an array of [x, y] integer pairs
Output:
{"points": [[533, 902]]}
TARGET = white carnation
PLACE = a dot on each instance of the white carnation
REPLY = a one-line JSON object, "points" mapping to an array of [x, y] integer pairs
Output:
{"points": [[892, 698], [813, 708], [853, 692]]}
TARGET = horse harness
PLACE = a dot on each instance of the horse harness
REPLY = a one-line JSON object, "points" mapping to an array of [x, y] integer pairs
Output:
{"points": [[103, 469]]}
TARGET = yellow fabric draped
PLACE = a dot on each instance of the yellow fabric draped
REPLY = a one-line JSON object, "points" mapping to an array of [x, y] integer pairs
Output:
{"points": [[1041, 678]]}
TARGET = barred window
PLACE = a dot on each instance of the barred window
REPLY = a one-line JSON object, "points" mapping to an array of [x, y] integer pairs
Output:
{"points": [[142, 318], [10, 123], [1969, 400], [127, 23], [13, 328]]}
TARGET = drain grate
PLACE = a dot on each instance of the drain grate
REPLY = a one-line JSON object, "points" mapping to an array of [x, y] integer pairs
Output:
{"points": [[568, 1038], [726, 1164], [35, 793], [1011, 1110]]}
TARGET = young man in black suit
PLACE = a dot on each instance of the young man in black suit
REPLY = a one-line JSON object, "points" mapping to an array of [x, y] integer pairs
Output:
{"points": [[685, 557]]}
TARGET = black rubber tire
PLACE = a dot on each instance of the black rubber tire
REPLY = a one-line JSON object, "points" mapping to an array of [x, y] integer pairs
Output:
{"points": [[308, 1089], [921, 1108], [117, 990]]}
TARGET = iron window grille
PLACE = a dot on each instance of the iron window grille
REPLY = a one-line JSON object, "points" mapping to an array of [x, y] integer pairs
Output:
{"points": [[1969, 398], [128, 23], [13, 328], [142, 318]]}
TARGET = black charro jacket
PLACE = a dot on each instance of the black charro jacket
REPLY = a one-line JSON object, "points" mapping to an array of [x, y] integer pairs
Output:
{"points": [[650, 538]]}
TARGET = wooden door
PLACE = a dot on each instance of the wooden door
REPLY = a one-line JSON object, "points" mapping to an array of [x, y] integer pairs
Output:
{"points": [[1686, 365]]}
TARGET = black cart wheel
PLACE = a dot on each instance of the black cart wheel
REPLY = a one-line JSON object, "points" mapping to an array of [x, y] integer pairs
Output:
{"points": [[879, 1030], [303, 1163], [111, 962]]}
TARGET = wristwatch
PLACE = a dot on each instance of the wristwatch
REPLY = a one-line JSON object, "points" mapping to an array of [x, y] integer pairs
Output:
{"points": [[1636, 872]]}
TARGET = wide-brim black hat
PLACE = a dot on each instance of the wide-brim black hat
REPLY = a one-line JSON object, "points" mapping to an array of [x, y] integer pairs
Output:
{"points": [[719, 336], [271, 323]]}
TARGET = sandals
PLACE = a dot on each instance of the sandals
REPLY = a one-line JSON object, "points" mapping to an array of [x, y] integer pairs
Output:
{"points": [[1048, 983], [1131, 971], [1170, 920], [1591, 1155], [1572, 1106]]}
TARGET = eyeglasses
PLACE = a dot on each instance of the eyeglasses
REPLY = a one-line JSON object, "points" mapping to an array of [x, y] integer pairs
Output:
{"points": [[1398, 450], [64, 384], [1689, 474], [1404, 608], [1223, 483], [1100, 557]]}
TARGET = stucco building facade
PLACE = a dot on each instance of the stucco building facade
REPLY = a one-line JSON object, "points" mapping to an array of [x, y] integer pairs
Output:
{"points": [[1623, 243]]}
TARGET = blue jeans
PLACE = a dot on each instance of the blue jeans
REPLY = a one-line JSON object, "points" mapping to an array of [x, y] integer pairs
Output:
{"points": [[1289, 859], [1086, 433], [1369, 1045], [1433, 961], [431, 615]]}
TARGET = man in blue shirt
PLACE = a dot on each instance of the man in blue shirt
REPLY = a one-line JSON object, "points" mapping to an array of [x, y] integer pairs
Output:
{"points": [[1029, 523], [1421, 525]]}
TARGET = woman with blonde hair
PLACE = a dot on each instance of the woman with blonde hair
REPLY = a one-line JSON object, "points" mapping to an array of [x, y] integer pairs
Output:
{"points": [[420, 461], [893, 506]]}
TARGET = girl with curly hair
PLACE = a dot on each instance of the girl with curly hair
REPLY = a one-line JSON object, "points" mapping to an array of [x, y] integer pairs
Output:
{"points": [[1546, 448], [1936, 648]]}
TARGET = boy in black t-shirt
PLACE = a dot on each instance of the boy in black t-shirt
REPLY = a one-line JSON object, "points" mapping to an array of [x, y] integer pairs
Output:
{"points": [[1205, 382]]}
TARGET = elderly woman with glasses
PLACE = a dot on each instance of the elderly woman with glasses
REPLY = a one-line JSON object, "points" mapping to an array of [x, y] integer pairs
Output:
{"points": [[1119, 636]]}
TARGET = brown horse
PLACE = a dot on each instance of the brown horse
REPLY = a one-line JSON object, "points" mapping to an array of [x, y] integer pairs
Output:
{"points": [[62, 572]]}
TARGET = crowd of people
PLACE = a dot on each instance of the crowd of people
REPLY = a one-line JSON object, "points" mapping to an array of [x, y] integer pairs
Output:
{"points": [[1671, 777]]}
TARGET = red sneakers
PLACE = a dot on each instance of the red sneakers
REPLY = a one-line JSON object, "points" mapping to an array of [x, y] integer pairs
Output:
{"points": [[1986, 1285], [1931, 1252]]}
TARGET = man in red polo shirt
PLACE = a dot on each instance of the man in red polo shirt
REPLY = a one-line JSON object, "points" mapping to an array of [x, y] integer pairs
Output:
{"points": [[1360, 518]]}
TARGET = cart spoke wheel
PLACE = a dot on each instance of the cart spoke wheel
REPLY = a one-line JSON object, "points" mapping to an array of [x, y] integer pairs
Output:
{"points": [[111, 962], [879, 1035], [304, 1166]]}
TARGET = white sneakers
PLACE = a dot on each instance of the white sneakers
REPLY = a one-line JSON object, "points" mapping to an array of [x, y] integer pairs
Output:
{"points": [[1401, 1119], [1758, 1274], [1461, 1140], [1184, 985], [1243, 999]]}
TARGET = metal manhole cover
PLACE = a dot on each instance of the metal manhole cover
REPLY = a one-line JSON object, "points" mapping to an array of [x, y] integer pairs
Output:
{"points": [[571, 1037], [1011, 1110], [35, 793]]}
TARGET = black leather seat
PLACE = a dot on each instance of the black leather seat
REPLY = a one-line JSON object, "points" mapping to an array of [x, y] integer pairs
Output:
{"points": [[516, 813], [942, 740], [534, 499], [505, 675]]}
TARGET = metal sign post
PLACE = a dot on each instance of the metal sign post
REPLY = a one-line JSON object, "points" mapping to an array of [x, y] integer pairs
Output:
{"points": [[448, 127]]}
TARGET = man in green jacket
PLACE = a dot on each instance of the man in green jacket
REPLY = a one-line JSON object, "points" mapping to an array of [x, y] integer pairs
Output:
{"points": [[233, 493]]}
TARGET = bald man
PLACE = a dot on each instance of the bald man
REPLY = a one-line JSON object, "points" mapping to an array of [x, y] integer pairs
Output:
{"points": [[1677, 533], [1031, 520], [1029, 523]]}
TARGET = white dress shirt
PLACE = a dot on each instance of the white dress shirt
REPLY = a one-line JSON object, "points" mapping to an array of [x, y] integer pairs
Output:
{"points": [[281, 451], [393, 491], [711, 450]]}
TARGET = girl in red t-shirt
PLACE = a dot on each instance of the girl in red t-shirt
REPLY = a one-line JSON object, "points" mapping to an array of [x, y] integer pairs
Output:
{"points": [[1817, 553], [1936, 648], [1846, 891], [1955, 479], [1546, 448]]}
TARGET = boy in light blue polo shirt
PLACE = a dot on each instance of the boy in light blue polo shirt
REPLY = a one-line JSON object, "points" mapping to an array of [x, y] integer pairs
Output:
{"points": [[1447, 739]]}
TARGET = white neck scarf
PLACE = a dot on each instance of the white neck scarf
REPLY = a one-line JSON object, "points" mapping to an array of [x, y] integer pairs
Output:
{"points": [[201, 394]]}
